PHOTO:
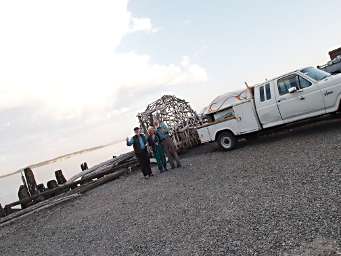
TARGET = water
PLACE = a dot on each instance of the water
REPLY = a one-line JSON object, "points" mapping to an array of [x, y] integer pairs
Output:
{"points": [[70, 166]]}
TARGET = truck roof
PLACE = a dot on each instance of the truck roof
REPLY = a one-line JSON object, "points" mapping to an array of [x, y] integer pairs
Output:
{"points": [[278, 77]]}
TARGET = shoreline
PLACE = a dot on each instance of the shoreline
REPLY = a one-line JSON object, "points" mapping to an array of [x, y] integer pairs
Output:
{"points": [[61, 157]]}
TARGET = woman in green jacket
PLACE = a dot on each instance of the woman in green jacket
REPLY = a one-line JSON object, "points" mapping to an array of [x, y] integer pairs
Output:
{"points": [[159, 153]]}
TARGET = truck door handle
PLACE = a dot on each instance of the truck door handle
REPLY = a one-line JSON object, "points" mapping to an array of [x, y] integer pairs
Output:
{"points": [[301, 98], [328, 92]]}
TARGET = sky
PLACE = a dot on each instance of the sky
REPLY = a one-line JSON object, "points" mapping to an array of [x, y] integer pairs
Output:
{"points": [[74, 73]]}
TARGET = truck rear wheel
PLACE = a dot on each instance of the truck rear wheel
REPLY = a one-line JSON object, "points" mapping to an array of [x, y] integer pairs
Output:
{"points": [[226, 141]]}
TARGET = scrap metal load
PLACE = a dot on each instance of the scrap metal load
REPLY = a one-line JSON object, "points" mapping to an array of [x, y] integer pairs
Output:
{"points": [[221, 107], [177, 114], [334, 65]]}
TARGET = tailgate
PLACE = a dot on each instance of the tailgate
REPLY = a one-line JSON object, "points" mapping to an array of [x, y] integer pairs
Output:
{"points": [[204, 134]]}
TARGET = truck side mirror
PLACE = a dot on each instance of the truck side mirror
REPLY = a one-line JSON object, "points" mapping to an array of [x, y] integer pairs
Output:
{"points": [[292, 89]]}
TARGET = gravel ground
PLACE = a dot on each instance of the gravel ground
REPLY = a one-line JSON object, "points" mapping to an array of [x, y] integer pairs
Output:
{"points": [[278, 195]]}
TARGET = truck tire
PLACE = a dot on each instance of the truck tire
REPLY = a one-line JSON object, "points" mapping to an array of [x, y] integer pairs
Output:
{"points": [[226, 141]]}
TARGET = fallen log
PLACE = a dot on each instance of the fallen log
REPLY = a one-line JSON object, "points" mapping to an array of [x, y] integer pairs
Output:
{"points": [[101, 181], [123, 161], [34, 208], [101, 173]]}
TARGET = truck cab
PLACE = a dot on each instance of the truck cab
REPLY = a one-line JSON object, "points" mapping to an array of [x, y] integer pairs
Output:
{"points": [[298, 95]]}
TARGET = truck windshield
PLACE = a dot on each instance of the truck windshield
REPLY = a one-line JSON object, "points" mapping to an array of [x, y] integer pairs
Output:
{"points": [[315, 73]]}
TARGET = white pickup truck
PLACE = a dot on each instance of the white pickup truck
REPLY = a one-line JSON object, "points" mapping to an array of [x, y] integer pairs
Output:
{"points": [[298, 95]]}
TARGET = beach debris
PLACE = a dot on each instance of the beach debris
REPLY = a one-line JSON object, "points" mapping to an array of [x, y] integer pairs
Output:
{"points": [[41, 187], [24, 194], [9, 218], [2, 211], [80, 183], [178, 115], [84, 166], [60, 177], [31, 183]]}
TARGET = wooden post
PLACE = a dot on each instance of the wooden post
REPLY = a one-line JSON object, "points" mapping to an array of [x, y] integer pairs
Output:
{"points": [[2, 211], [51, 184], [31, 181], [24, 194], [41, 188], [60, 177]]}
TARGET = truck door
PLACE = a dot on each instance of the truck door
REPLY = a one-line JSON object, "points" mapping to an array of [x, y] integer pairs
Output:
{"points": [[246, 117], [298, 98], [266, 105]]}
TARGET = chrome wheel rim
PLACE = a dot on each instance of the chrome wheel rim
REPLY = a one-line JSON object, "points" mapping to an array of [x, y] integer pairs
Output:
{"points": [[226, 142]]}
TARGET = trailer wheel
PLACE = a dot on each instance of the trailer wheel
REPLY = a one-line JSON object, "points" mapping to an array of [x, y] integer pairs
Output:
{"points": [[226, 141]]}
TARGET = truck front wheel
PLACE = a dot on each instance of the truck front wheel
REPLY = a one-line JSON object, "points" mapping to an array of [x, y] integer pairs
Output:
{"points": [[226, 141]]}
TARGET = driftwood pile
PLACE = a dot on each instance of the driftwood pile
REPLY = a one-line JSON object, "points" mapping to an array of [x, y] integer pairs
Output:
{"points": [[178, 116], [33, 196]]}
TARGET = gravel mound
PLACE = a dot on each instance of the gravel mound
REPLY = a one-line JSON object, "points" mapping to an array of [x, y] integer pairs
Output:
{"points": [[277, 195]]}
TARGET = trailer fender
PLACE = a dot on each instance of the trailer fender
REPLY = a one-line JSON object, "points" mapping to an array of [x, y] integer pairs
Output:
{"points": [[221, 131]]}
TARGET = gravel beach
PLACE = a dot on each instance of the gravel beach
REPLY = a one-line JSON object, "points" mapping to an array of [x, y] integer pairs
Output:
{"points": [[276, 195]]}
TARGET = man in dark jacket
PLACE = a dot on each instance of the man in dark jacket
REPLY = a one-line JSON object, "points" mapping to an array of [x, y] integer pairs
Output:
{"points": [[139, 143]]}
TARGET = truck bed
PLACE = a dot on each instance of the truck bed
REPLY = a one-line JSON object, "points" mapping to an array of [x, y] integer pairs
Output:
{"points": [[244, 121]]}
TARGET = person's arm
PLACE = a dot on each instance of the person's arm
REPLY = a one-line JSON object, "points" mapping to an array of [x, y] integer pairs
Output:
{"points": [[129, 142]]}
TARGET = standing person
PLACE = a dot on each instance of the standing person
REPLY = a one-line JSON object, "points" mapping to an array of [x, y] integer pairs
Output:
{"points": [[155, 144], [167, 143], [139, 141]]}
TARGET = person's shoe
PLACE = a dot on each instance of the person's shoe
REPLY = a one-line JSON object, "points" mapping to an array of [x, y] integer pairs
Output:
{"points": [[146, 177], [166, 170], [151, 175]]}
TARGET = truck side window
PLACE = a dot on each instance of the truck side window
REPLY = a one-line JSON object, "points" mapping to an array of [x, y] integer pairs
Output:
{"points": [[267, 91], [304, 83], [285, 83], [261, 93]]}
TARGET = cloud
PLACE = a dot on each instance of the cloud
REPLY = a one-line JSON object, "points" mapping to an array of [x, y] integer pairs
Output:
{"points": [[141, 24], [62, 55]]}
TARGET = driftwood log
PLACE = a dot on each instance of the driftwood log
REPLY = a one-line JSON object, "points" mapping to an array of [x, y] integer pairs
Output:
{"points": [[123, 161], [81, 182], [34, 208]]}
